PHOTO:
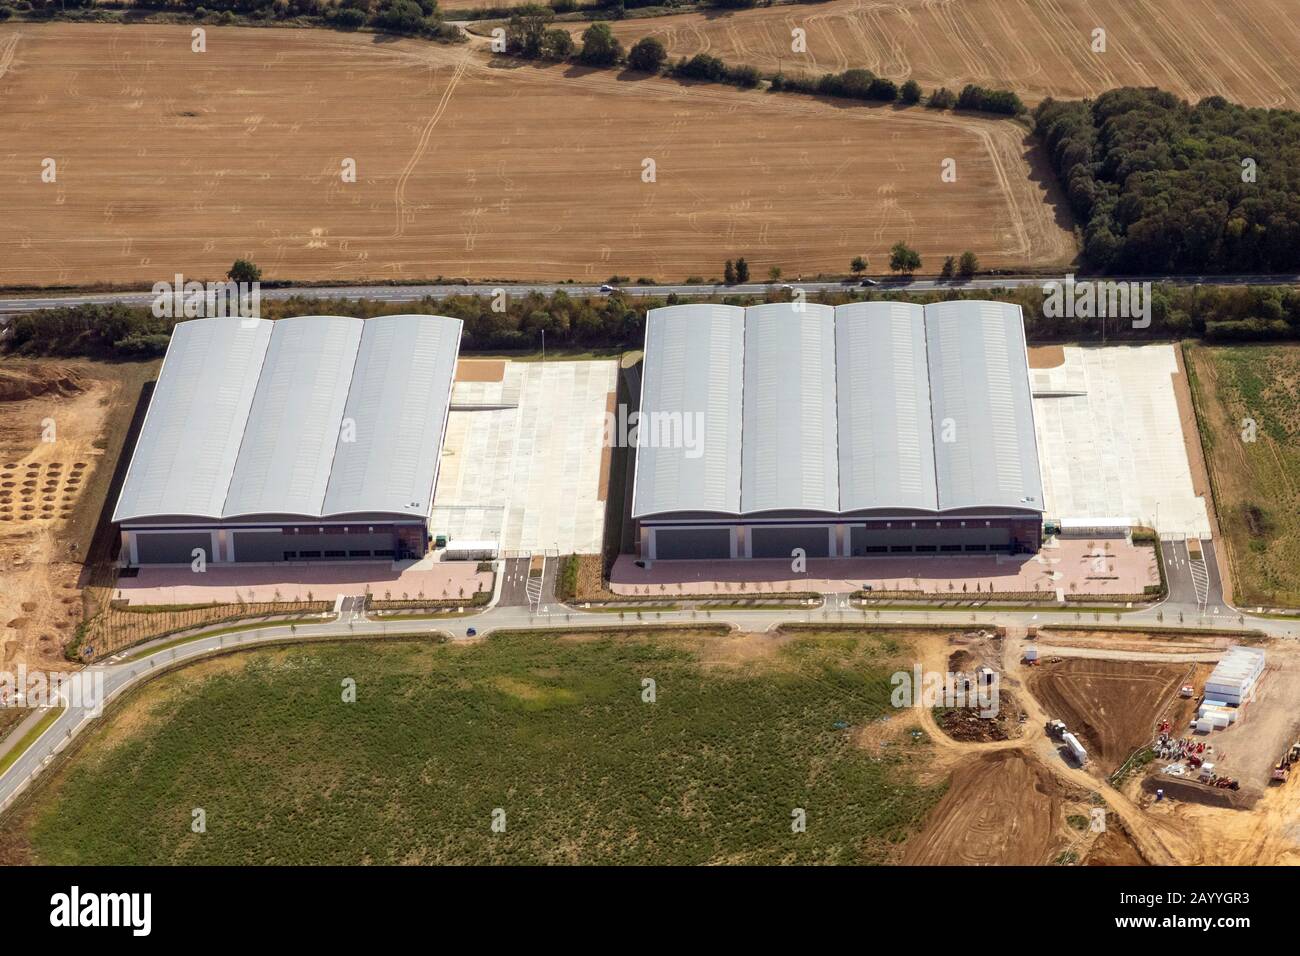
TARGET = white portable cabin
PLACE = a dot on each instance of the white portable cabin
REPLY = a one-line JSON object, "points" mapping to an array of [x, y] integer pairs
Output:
{"points": [[1235, 676]]}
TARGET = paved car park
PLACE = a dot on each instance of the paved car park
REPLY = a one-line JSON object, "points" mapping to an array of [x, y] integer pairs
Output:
{"points": [[1111, 441], [524, 462]]}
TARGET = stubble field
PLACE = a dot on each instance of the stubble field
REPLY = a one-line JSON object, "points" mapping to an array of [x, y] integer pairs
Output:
{"points": [[1239, 49], [169, 160]]}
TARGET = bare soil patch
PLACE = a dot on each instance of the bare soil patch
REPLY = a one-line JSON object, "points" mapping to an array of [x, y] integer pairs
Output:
{"points": [[1046, 356], [1115, 847], [480, 370], [20, 381], [61, 430], [1112, 706], [1002, 807]]}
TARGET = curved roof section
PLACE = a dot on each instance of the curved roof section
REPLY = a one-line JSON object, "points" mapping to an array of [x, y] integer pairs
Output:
{"points": [[886, 443], [190, 438], [691, 381], [386, 455], [986, 454], [871, 407], [288, 450], [789, 460], [308, 417]]}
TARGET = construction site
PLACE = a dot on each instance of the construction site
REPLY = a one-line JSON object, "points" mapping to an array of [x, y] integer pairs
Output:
{"points": [[1100, 751]]}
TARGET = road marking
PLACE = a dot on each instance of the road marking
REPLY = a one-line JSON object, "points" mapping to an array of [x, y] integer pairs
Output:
{"points": [[1200, 581]]}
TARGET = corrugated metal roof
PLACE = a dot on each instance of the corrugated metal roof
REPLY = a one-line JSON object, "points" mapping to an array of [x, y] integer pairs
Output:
{"points": [[386, 457], [789, 460], [886, 443], [293, 426], [251, 417], [985, 451], [691, 380], [190, 439], [869, 406]]}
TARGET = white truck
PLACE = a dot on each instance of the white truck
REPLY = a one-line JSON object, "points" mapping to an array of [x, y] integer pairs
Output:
{"points": [[1076, 748]]}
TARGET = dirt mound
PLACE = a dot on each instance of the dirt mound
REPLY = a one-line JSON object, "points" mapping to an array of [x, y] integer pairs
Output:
{"points": [[1115, 847], [1002, 808], [1112, 706], [966, 725], [1193, 791], [21, 382]]}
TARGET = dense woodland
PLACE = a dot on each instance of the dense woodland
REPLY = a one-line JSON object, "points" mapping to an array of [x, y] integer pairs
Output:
{"points": [[1163, 187], [618, 322]]}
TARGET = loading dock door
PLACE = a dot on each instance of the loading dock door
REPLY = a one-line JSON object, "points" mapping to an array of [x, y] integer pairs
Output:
{"points": [[697, 544], [173, 547], [780, 542]]}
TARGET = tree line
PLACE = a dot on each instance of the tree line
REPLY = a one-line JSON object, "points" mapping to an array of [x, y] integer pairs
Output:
{"points": [[1216, 313], [1164, 187], [408, 17], [529, 34]]}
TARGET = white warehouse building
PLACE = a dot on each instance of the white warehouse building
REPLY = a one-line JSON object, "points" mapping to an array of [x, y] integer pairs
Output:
{"points": [[868, 428], [304, 439]]}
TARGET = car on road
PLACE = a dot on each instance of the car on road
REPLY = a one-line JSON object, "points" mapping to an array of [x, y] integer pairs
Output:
{"points": [[608, 288], [869, 282]]}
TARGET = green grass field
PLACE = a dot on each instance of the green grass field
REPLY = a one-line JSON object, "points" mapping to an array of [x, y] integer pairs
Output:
{"points": [[552, 730], [1253, 392]]}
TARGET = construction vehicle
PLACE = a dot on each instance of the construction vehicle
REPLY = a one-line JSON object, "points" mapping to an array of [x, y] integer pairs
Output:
{"points": [[1055, 729], [1283, 769]]}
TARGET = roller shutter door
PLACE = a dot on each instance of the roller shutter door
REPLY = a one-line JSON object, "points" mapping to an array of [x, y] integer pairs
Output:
{"points": [[700, 544], [780, 542], [172, 547]]}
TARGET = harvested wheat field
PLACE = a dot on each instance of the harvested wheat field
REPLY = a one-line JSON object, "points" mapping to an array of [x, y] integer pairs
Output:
{"points": [[1112, 706], [1002, 807], [174, 161], [1241, 49]]}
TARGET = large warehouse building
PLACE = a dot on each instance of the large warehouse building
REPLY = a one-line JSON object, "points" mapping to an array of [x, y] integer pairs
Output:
{"points": [[312, 438], [864, 429]]}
